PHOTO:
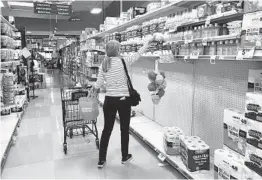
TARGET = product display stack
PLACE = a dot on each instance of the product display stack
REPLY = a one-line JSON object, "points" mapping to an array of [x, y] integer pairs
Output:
{"points": [[10, 65], [13, 85], [242, 154]]}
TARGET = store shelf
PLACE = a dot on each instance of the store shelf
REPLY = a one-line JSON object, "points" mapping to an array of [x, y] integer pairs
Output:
{"points": [[9, 63], [163, 11], [8, 23], [232, 15], [8, 127], [152, 134], [88, 49], [209, 39]]}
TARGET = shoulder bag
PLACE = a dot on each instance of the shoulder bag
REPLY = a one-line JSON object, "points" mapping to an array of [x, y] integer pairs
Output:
{"points": [[134, 95]]}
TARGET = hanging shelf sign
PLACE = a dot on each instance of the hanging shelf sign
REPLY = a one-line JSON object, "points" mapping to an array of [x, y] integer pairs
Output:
{"points": [[56, 9]]}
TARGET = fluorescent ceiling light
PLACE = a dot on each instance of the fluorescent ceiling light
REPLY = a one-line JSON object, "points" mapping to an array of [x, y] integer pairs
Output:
{"points": [[28, 32], [25, 4], [1, 4], [96, 10]]}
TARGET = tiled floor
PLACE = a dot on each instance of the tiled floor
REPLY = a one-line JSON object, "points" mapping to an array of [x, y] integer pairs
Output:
{"points": [[38, 151]]}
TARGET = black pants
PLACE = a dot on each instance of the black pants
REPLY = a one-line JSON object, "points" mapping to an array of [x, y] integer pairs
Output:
{"points": [[112, 105]]}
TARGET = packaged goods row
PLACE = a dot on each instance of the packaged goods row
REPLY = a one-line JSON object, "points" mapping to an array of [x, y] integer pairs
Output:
{"points": [[10, 54], [241, 155]]}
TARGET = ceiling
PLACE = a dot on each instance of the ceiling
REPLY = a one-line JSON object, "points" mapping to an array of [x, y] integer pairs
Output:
{"points": [[41, 24], [24, 11]]}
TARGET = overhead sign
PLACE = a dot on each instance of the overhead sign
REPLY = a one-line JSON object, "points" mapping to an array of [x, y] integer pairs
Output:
{"points": [[74, 19], [47, 8]]}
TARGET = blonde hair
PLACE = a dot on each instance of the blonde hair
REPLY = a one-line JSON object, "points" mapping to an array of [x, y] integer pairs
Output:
{"points": [[112, 50]]}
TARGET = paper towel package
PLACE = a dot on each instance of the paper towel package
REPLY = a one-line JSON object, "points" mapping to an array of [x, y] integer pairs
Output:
{"points": [[195, 154], [254, 106], [227, 165], [172, 137], [235, 131]]}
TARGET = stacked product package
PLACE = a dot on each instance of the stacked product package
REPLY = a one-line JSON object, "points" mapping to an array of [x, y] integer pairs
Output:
{"points": [[194, 151], [8, 88], [253, 156], [172, 138], [242, 140]]}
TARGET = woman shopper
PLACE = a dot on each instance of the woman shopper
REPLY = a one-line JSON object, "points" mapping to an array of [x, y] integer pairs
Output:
{"points": [[116, 100]]}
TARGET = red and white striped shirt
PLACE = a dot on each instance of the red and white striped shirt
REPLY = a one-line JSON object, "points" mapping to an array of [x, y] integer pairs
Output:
{"points": [[115, 78]]}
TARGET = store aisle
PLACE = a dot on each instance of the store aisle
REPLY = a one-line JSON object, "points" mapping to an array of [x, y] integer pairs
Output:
{"points": [[38, 151]]}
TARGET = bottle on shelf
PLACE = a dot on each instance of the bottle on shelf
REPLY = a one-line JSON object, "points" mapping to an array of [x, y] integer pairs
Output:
{"points": [[213, 48], [236, 47], [224, 30], [225, 47], [207, 49], [220, 48], [209, 30], [204, 31], [230, 48], [200, 48], [215, 30]]}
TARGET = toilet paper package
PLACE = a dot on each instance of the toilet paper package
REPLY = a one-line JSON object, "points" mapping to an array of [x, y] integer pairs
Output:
{"points": [[227, 165], [195, 154], [172, 137], [253, 157], [254, 106], [235, 131]]}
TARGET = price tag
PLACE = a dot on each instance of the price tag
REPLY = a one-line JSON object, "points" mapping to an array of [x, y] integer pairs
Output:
{"points": [[204, 42], [246, 54], [208, 19], [194, 55], [161, 157], [213, 59]]}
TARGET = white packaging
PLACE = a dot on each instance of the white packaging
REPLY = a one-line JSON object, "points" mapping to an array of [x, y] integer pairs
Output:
{"points": [[235, 131], [255, 80], [253, 157], [227, 165], [254, 106], [172, 137]]}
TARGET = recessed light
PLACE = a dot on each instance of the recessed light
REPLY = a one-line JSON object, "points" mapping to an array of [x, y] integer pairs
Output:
{"points": [[96, 10], [25, 4]]}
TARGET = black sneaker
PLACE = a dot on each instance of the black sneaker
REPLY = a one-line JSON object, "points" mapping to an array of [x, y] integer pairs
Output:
{"points": [[127, 159], [101, 164]]}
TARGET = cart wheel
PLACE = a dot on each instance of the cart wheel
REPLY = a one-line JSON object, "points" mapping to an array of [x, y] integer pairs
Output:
{"points": [[65, 148], [84, 132], [71, 133], [97, 143]]}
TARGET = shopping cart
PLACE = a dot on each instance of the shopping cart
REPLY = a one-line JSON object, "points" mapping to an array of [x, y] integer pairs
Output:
{"points": [[74, 122]]}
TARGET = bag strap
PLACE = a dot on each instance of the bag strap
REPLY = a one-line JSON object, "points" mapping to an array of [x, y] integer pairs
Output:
{"points": [[129, 83]]}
